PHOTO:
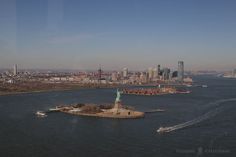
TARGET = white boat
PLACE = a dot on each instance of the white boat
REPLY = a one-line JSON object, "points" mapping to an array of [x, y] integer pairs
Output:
{"points": [[204, 86], [41, 114], [164, 129]]}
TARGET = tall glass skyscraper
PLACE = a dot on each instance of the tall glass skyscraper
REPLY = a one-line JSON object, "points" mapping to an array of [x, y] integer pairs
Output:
{"points": [[180, 71]]}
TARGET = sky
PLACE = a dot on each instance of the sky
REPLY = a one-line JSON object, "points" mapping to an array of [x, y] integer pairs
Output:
{"points": [[137, 34]]}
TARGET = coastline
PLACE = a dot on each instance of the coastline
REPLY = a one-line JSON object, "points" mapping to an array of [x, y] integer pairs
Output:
{"points": [[64, 87], [36, 91], [54, 90], [136, 115]]}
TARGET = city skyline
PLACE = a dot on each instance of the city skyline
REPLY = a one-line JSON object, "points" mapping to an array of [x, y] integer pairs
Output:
{"points": [[69, 34]]}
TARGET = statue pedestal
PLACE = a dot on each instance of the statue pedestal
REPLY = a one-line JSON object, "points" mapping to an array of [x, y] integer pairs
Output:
{"points": [[117, 105]]}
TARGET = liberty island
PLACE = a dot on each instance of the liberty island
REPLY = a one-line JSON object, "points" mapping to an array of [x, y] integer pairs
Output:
{"points": [[118, 110]]}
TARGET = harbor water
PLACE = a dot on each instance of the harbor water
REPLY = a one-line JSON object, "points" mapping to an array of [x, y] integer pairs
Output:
{"points": [[59, 134]]}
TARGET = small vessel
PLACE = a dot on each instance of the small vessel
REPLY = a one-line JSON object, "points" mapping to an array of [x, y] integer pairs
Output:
{"points": [[189, 85], [41, 114], [54, 109], [183, 92], [204, 86], [164, 129]]}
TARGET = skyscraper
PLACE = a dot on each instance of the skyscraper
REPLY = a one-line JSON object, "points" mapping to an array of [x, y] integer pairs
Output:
{"points": [[114, 76], [99, 74], [158, 69], [166, 73], [150, 73], [125, 72], [15, 70], [180, 71], [155, 73]]}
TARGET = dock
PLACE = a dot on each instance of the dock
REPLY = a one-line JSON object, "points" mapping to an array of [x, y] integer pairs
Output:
{"points": [[155, 110]]}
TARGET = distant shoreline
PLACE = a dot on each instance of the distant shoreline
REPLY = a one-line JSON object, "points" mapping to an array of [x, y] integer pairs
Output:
{"points": [[29, 92], [2, 93], [15, 89]]}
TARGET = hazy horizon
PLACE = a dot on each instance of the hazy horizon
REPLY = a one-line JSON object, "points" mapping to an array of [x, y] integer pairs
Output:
{"points": [[107, 70], [83, 34]]}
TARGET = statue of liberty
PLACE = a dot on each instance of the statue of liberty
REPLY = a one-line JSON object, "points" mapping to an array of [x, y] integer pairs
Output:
{"points": [[118, 96], [117, 101]]}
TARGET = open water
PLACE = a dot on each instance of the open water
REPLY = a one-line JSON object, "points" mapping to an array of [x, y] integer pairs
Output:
{"points": [[62, 135]]}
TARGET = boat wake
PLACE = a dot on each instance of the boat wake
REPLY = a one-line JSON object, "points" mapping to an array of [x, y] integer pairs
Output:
{"points": [[198, 119]]}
